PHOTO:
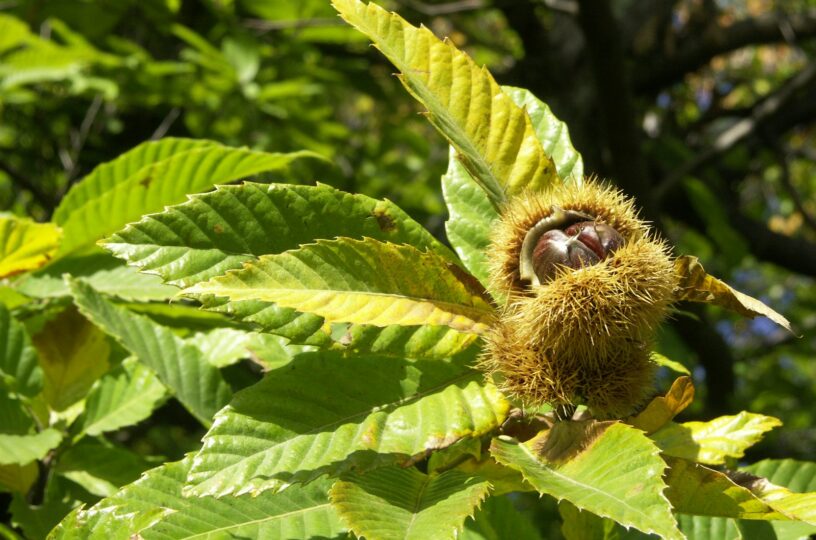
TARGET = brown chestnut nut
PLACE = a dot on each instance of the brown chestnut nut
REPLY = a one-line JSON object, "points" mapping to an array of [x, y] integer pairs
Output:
{"points": [[581, 244]]}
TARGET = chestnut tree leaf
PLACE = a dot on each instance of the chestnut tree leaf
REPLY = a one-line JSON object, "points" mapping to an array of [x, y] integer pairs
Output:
{"points": [[608, 468], [695, 285], [393, 503], [495, 138], [363, 282], [197, 384], [326, 413], [121, 398], [73, 355], [471, 213], [23, 449], [218, 231], [133, 186], [153, 508], [25, 245], [497, 518], [18, 478], [20, 370], [697, 489], [713, 441], [663, 409]]}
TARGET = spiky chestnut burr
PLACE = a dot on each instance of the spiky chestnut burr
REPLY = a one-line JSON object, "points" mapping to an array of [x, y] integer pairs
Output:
{"points": [[586, 285]]}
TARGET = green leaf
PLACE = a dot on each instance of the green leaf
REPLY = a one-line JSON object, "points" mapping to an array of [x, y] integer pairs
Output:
{"points": [[552, 132], [696, 489], [102, 271], [360, 281], [18, 478], [73, 355], [107, 176], [134, 191], [696, 285], [124, 397], [13, 32], [25, 245], [396, 503], [198, 385], [798, 476], [666, 362], [471, 213], [326, 413], [153, 508], [219, 231], [796, 506], [470, 218], [714, 441], [23, 449], [405, 341], [496, 519], [20, 371], [610, 469], [706, 528], [494, 137], [16, 420], [99, 466]]}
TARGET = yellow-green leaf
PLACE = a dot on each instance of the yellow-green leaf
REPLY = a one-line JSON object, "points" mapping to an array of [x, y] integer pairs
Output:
{"points": [[696, 285], [73, 354], [663, 409], [495, 138], [711, 442], [25, 245], [608, 468], [18, 478], [696, 489], [360, 281]]}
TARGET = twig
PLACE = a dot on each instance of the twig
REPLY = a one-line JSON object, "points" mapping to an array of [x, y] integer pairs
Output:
{"points": [[794, 194], [740, 130], [78, 139], [433, 10], [171, 117]]}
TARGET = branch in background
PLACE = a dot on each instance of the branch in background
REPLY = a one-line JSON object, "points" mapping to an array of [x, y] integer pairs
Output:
{"points": [[614, 98], [697, 51], [166, 123], [763, 113], [793, 193], [433, 10], [795, 254], [22, 182]]}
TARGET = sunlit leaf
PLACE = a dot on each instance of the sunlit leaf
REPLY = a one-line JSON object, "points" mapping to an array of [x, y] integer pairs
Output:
{"points": [[697, 286], [327, 413], [23, 449], [25, 245], [493, 136], [396, 503], [663, 409], [121, 398], [153, 508], [610, 469], [20, 371], [696, 489], [198, 385], [360, 281], [711, 442], [73, 355], [219, 231], [126, 191]]}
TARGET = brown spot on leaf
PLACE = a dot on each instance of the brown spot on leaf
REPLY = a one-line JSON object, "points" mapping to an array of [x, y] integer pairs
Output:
{"points": [[145, 182], [384, 221], [218, 228]]}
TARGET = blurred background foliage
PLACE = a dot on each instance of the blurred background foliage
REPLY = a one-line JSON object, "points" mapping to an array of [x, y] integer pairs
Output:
{"points": [[702, 109]]}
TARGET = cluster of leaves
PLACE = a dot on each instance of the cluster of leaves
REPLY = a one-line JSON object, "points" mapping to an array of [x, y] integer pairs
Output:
{"points": [[369, 417]]}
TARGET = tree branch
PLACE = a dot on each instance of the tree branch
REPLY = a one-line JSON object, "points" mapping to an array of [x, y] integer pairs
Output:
{"points": [[614, 97], [697, 51]]}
